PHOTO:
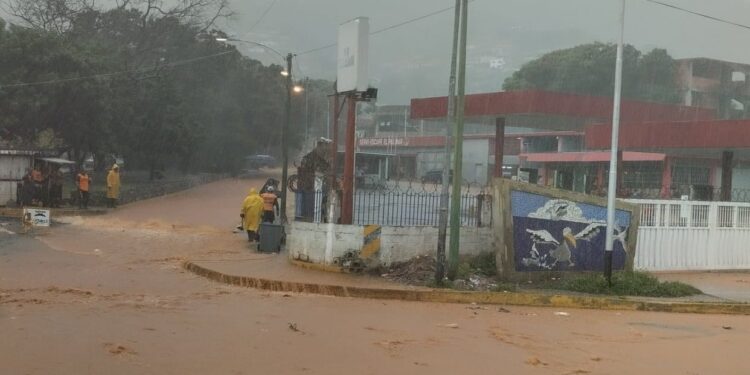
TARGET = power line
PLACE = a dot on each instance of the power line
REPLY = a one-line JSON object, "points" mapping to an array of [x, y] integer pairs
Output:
{"points": [[387, 28], [111, 74], [707, 16], [262, 16], [435, 13]]}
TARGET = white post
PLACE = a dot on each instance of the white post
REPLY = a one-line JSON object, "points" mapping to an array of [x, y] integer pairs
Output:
{"points": [[612, 187]]}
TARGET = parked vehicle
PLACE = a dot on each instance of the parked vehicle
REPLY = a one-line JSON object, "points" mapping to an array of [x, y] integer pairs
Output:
{"points": [[260, 161]]}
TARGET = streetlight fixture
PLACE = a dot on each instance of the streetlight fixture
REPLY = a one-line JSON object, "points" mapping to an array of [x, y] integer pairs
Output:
{"points": [[298, 89], [290, 87], [267, 47]]}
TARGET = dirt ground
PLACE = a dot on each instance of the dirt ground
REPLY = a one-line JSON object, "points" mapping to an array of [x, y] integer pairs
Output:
{"points": [[107, 295]]}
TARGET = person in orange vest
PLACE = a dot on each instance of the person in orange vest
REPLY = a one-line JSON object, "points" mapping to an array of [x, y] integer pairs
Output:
{"points": [[269, 200], [83, 181]]}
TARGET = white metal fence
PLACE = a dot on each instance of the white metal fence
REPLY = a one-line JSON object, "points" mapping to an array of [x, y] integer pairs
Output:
{"points": [[692, 235]]}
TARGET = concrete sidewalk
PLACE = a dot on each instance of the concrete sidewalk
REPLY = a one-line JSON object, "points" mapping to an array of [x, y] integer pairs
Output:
{"points": [[725, 286], [275, 272]]}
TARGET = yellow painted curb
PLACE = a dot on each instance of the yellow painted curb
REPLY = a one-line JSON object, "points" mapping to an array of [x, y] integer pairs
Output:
{"points": [[453, 296]]}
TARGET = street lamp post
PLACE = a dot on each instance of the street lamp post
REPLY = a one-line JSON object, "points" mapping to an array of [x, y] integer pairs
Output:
{"points": [[290, 87], [612, 186], [284, 141]]}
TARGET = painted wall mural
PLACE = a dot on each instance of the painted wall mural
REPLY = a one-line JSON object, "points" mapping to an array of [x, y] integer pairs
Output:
{"points": [[561, 235]]}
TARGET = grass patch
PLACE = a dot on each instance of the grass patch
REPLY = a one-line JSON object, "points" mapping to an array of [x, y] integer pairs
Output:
{"points": [[626, 284], [482, 264]]}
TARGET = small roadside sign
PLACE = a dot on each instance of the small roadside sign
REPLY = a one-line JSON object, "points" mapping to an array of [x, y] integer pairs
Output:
{"points": [[36, 217]]}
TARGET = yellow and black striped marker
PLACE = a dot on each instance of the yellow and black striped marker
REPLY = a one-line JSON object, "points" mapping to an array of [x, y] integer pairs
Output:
{"points": [[371, 243]]}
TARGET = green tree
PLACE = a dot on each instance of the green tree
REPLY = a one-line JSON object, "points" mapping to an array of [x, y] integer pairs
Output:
{"points": [[154, 86], [590, 69]]}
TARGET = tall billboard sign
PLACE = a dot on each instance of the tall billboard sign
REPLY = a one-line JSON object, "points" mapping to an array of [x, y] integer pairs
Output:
{"points": [[353, 48]]}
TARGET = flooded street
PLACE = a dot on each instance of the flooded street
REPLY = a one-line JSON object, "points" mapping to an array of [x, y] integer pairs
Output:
{"points": [[107, 295]]}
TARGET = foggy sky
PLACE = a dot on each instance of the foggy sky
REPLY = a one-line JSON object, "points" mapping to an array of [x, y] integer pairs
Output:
{"points": [[413, 60]]}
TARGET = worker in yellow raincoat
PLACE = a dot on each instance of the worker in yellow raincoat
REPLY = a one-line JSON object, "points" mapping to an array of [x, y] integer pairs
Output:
{"points": [[113, 186], [252, 208]]}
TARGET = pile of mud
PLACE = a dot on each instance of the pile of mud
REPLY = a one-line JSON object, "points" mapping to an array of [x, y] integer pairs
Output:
{"points": [[420, 271]]}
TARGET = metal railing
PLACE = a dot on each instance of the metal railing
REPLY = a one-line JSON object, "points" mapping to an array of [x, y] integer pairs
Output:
{"points": [[693, 214], [693, 192], [692, 235], [399, 204]]}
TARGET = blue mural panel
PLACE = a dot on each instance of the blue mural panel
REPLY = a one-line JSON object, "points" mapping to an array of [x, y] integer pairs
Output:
{"points": [[560, 235]]}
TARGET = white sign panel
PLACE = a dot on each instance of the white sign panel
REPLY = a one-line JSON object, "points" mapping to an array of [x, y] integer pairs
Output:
{"points": [[37, 218], [353, 46]]}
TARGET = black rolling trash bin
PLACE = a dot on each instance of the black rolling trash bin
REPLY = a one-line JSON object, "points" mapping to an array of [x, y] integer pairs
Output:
{"points": [[270, 237]]}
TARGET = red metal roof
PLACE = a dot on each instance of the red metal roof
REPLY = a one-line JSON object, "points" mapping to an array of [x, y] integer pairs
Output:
{"points": [[717, 134], [560, 133], [589, 157], [506, 103]]}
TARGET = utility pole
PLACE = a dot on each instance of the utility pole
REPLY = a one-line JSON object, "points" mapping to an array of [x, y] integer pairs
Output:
{"points": [[347, 202], [284, 136], [458, 139], [307, 122], [612, 187], [449, 121]]}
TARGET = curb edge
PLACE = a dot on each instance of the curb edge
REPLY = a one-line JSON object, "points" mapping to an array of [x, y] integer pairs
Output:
{"points": [[452, 296]]}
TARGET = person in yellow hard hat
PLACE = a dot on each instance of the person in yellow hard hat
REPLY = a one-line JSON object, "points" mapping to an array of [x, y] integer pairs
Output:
{"points": [[252, 207], [113, 186]]}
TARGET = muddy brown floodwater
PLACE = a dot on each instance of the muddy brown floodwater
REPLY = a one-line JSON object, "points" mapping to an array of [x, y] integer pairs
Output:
{"points": [[106, 295]]}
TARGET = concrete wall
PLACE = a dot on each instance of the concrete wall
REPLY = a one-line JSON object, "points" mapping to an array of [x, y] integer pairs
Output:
{"points": [[328, 243]]}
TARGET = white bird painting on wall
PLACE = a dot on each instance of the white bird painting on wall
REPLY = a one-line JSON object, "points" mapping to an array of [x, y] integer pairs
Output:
{"points": [[562, 248]]}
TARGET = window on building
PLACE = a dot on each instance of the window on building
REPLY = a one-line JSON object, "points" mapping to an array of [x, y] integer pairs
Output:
{"points": [[684, 175], [705, 69], [642, 176], [698, 99]]}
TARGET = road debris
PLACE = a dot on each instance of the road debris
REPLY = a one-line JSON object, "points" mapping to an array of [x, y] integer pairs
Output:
{"points": [[449, 325], [561, 313], [420, 271], [293, 327], [474, 306]]}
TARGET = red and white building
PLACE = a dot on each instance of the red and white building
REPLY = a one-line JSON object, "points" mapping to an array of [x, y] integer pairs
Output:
{"points": [[563, 140]]}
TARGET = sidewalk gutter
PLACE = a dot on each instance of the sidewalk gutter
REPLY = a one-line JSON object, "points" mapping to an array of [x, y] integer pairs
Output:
{"points": [[453, 296]]}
